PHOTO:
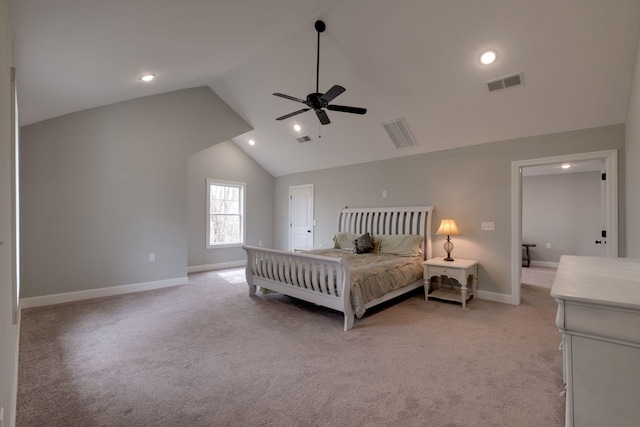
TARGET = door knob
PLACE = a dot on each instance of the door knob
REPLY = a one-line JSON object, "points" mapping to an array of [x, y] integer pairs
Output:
{"points": [[598, 242], [308, 231]]}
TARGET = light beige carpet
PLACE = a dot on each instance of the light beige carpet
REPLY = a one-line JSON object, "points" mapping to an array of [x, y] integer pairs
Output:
{"points": [[207, 354], [539, 276]]}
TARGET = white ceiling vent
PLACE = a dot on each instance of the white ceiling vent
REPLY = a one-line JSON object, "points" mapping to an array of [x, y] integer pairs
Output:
{"points": [[399, 133], [303, 139], [505, 82]]}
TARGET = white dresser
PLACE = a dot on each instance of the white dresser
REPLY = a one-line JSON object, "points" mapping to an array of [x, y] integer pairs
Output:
{"points": [[599, 317]]}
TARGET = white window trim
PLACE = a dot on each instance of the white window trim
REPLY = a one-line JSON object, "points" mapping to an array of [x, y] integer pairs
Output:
{"points": [[243, 186]]}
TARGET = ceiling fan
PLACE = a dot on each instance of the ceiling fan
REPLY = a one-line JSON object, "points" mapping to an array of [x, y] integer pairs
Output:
{"points": [[319, 101]]}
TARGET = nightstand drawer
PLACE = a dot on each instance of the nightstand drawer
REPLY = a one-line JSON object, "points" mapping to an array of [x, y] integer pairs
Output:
{"points": [[443, 271]]}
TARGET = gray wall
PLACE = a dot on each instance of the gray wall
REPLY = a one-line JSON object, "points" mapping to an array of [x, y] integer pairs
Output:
{"points": [[226, 161], [103, 188], [633, 164], [563, 210], [8, 331], [471, 184]]}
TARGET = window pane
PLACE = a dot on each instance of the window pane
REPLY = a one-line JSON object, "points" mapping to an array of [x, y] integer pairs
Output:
{"points": [[224, 199], [224, 229]]}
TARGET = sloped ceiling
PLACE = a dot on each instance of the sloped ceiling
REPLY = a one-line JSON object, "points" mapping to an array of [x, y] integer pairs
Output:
{"points": [[411, 59]]}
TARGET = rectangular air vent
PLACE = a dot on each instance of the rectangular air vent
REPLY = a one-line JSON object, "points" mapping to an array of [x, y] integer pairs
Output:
{"points": [[505, 82], [303, 139], [399, 133]]}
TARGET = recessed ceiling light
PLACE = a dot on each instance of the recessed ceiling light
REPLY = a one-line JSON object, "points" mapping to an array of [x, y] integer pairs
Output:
{"points": [[488, 57], [147, 77], [566, 166], [297, 127], [252, 142]]}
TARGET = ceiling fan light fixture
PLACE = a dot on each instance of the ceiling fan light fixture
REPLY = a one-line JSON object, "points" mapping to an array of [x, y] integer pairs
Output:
{"points": [[252, 142], [297, 127], [488, 57], [147, 77]]}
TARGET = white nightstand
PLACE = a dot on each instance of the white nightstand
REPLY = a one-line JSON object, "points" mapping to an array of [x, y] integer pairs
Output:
{"points": [[459, 269]]}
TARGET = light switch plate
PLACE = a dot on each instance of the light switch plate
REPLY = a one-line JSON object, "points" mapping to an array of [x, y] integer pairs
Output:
{"points": [[488, 226]]}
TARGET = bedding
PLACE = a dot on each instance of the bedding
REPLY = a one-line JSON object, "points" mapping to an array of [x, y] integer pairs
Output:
{"points": [[375, 274]]}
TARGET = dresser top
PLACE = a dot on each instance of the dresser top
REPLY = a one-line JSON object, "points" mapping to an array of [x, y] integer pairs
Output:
{"points": [[604, 281]]}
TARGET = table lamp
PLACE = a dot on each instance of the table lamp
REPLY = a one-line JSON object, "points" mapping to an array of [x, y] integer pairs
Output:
{"points": [[448, 228]]}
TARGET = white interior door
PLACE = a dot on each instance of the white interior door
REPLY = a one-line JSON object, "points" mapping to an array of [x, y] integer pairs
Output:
{"points": [[301, 216]]}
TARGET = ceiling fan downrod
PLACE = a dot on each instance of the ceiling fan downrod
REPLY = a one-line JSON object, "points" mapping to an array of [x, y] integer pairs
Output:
{"points": [[320, 27]]}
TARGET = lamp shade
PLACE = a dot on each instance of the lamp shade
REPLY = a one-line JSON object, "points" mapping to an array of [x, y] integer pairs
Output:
{"points": [[448, 227]]}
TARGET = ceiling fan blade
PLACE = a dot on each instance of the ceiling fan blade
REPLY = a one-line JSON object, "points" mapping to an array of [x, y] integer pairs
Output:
{"points": [[286, 116], [282, 95], [345, 109], [322, 115], [332, 93]]}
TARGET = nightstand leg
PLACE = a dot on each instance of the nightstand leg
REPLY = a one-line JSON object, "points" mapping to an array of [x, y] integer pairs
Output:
{"points": [[474, 285], [427, 285], [463, 291]]}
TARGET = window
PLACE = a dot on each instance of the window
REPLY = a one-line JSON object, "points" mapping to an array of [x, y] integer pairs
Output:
{"points": [[225, 204]]}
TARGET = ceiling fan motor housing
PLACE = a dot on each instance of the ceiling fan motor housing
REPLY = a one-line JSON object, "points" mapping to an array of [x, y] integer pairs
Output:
{"points": [[315, 101]]}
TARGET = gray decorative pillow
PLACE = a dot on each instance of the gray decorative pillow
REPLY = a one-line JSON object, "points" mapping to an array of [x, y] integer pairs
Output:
{"points": [[363, 244]]}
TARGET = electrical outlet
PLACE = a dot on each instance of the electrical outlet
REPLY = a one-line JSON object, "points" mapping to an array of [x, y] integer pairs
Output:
{"points": [[384, 194], [260, 243], [548, 245], [152, 257], [488, 226]]}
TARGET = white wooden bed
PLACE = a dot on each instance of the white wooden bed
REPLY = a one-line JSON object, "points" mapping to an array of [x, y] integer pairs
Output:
{"points": [[326, 281]]}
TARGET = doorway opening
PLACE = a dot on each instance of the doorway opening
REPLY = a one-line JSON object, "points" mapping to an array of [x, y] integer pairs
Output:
{"points": [[609, 206]]}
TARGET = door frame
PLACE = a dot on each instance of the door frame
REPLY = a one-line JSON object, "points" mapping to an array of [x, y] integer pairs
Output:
{"points": [[610, 158]]}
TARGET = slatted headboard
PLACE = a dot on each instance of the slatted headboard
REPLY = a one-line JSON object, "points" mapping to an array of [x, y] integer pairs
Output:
{"points": [[391, 220]]}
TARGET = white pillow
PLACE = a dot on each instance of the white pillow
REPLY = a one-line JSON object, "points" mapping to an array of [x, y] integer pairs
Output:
{"points": [[400, 244], [344, 240]]}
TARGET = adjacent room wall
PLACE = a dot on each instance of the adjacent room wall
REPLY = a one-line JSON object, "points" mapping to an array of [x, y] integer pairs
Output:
{"points": [[103, 188], [633, 160], [226, 161], [564, 211], [471, 184], [8, 331]]}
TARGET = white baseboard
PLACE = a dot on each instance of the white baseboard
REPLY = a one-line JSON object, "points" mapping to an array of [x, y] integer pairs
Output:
{"points": [[100, 292], [14, 396], [494, 296], [544, 264], [219, 266]]}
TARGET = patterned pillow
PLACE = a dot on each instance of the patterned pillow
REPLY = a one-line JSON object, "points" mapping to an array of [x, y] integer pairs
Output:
{"points": [[363, 244]]}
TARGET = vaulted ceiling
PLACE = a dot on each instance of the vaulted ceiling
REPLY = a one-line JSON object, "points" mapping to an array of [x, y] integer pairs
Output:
{"points": [[411, 59]]}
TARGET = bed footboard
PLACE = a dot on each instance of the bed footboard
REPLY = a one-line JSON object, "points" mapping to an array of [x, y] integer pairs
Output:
{"points": [[317, 279]]}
